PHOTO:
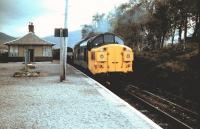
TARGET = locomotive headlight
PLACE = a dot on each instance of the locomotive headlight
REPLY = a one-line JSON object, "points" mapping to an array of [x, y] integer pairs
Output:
{"points": [[101, 56], [128, 56]]}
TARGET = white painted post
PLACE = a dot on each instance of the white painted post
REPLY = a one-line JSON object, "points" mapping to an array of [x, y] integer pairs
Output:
{"points": [[63, 48], [65, 41], [26, 60], [61, 56]]}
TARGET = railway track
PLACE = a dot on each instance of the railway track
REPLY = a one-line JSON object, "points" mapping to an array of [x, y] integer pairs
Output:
{"points": [[180, 100], [174, 114]]}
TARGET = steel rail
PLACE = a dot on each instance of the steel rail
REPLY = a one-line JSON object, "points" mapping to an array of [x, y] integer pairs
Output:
{"points": [[179, 123], [174, 104]]}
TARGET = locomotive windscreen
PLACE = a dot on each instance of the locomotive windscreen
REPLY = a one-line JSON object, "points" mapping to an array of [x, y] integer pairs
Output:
{"points": [[103, 39], [109, 38]]}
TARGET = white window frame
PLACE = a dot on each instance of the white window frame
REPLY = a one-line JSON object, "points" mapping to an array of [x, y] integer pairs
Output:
{"points": [[47, 51]]}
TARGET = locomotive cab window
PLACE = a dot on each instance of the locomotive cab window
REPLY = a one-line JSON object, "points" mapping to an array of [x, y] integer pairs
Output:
{"points": [[103, 39], [98, 40], [109, 38]]}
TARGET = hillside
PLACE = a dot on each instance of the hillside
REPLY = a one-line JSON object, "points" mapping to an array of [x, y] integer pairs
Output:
{"points": [[171, 69], [74, 37], [4, 38]]}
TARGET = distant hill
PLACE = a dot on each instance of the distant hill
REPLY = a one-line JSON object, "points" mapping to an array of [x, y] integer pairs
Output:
{"points": [[4, 38], [74, 37]]}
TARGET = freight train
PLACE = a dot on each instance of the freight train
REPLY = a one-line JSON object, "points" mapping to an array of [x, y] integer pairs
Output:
{"points": [[104, 53]]}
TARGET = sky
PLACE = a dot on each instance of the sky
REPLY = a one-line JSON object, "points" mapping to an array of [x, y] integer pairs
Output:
{"points": [[46, 15]]}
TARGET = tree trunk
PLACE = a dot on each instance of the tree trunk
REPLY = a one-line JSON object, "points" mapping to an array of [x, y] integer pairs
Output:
{"points": [[163, 40], [197, 20], [199, 47], [159, 42], [185, 31], [173, 34], [198, 35], [180, 33]]}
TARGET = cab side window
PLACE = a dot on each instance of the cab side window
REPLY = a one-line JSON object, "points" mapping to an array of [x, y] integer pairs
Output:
{"points": [[118, 40]]}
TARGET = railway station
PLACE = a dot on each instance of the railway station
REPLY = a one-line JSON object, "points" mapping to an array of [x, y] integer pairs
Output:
{"points": [[131, 64], [79, 102]]}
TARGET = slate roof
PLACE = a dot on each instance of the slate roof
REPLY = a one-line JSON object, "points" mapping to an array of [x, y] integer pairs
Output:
{"points": [[29, 39]]}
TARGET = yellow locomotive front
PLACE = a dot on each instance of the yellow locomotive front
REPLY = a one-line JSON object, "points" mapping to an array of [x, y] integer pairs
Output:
{"points": [[108, 54]]}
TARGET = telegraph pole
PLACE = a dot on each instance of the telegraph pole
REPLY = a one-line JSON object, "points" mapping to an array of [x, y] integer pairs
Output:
{"points": [[63, 34], [65, 40], [62, 67]]}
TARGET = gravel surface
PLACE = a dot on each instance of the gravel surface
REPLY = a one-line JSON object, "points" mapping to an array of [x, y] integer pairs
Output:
{"points": [[45, 103]]}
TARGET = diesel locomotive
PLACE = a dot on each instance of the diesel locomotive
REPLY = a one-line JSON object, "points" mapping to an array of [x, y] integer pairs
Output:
{"points": [[104, 53]]}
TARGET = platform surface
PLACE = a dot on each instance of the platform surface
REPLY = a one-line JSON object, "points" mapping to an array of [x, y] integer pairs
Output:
{"points": [[77, 103]]}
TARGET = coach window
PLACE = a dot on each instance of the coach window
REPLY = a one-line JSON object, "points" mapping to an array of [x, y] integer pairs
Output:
{"points": [[118, 40], [79, 52], [85, 54], [109, 38]]}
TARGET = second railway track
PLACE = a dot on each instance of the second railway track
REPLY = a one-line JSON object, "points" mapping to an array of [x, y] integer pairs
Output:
{"points": [[176, 115]]}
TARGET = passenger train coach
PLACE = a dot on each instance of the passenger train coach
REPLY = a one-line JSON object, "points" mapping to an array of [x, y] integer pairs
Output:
{"points": [[104, 53]]}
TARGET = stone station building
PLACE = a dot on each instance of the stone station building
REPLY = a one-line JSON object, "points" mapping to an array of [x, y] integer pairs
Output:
{"points": [[38, 49]]}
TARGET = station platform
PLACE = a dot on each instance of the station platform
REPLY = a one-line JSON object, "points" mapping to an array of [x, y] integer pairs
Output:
{"points": [[77, 103]]}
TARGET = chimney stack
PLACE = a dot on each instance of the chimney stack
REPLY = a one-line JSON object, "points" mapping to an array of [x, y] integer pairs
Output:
{"points": [[31, 27]]}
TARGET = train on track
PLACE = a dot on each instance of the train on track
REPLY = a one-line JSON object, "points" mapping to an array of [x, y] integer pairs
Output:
{"points": [[103, 53]]}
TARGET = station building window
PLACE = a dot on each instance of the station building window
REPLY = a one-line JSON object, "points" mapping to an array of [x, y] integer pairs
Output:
{"points": [[47, 51], [13, 51]]}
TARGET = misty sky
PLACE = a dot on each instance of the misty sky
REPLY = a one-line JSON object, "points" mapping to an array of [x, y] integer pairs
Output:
{"points": [[49, 14]]}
